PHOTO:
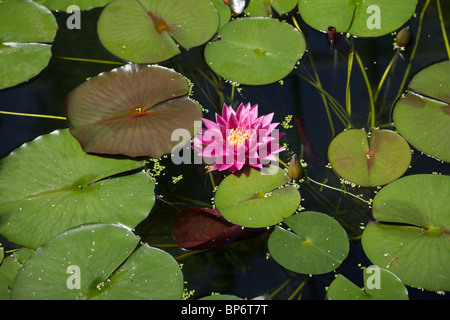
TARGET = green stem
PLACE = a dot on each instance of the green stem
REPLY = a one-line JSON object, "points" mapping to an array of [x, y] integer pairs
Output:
{"points": [[330, 120], [335, 105], [386, 72], [300, 287], [277, 290], [212, 180], [33, 115], [88, 60], [347, 88], [413, 53], [190, 200], [340, 190], [444, 33], [369, 91]]}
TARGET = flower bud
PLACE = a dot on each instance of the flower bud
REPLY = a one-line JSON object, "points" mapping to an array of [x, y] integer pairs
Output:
{"points": [[404, 38], [332, 36], [295, 170]]}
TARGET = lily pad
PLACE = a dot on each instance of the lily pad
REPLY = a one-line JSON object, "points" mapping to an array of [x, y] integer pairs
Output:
{"points": [[380, 284], [372, 18], [9, 268], [198, 228], [252, 199], [150, 30], [50, 185], [411, 236], [255, 51], [369, 161], [422, 115], [26, 31], [319, 244], [224, 12], [98, 261], [263, 8], [64, 4], [132, 110]]}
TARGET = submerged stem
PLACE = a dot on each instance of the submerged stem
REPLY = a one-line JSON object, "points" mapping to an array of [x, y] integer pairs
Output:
{"points": [[444, 33], [413, 53], [89, 60], [33, 115], [386, 72], [340, 190], [369, 91], [348, 105], [300, 287], [319, 84]]}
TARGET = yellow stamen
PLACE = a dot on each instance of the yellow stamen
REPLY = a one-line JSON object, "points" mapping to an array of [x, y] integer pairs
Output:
{"points": [[238, 136]]}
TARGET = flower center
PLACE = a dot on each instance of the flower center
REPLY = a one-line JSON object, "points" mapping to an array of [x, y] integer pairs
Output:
{"points": [[238, 136]]}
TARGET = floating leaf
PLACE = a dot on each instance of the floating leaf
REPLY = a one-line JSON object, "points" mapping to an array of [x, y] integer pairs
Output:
{"points": [[255, 51], [9, 269], [380, 284], [197, 228], [150, 30], [263, 8], [64, 4], [26, 31], [250, 198], [411, 236], [224, 12], [132, 110], [373, 161], [422, 116], [50, 185], [98, 261], [361, 18], [319, 244]]}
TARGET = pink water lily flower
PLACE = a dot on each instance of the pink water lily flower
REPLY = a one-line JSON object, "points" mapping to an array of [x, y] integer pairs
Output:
{"points": [[238, 138]]}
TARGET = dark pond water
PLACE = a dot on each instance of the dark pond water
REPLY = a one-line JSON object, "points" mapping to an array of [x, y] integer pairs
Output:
{"points": [[243, 268]]}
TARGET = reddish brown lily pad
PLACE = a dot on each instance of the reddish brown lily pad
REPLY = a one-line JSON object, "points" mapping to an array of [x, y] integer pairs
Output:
{"points": [[131, 110], [197, 228]]}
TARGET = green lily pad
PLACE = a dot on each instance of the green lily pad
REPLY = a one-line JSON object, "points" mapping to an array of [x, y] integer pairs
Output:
{"points": [[255, 51], [372, 18], [9, 269], [252, 199], [150, 31], [26, 31], [224, 12], [369, 161], [319, 244], [98, 261], [64, 4], [411, 236], [50, 185], [422, 115], [132, 110], [263, 8], [380, 284]]}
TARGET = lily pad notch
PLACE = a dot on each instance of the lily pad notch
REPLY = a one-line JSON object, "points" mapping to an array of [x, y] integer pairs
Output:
{"points": [[371, 159]]}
